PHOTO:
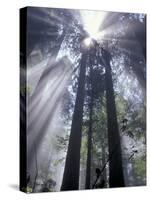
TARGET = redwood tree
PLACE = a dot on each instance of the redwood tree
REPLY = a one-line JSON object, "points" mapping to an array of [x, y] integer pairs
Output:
{"points": [[116, 178], [72, 165]]}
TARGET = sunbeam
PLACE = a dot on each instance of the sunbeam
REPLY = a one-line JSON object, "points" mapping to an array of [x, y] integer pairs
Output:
{"points": [[92, 21], [84, 74], [40, 118]]}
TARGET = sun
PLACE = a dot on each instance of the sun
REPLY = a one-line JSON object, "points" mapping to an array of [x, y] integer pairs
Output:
{"points": [[88, 41], [92, 21]]}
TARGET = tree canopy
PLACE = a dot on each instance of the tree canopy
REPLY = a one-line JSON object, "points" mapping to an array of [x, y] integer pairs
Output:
{"points": [[86, 102]]}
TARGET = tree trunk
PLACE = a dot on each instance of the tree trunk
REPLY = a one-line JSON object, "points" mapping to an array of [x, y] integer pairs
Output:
{"points": [[89, 148], [88, 164], [72, 165], [116, 178], [104, 158]]}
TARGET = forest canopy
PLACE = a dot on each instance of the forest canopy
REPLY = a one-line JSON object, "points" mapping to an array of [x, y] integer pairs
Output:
{"points": [[86, 99]]}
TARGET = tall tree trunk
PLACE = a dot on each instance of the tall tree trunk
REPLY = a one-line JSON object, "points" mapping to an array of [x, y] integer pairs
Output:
{"points": [[89, 144], [88, 164], [72, 165], [116, 178], [104, 158]]}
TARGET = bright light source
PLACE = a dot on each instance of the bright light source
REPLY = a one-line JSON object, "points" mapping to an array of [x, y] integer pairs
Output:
{"points": [[88, 42], [92, 21], [98, 36]]}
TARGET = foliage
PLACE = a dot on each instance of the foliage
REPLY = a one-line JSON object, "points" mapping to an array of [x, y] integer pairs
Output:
{"points": [[127, 50]]}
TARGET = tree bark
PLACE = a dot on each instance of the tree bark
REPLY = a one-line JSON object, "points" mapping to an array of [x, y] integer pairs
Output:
{"points": [[116, 178], [89, 148], [104, 158], [88, 164], [72, 165]]}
